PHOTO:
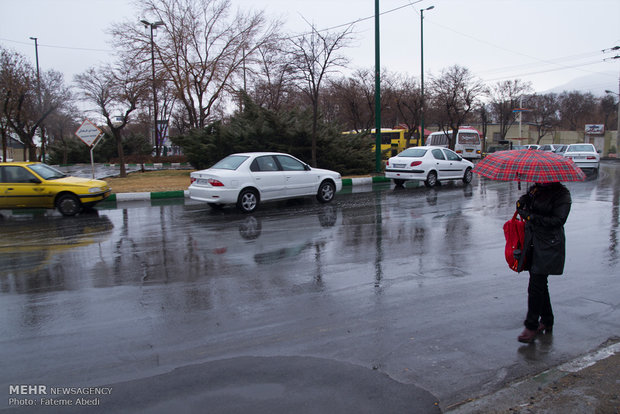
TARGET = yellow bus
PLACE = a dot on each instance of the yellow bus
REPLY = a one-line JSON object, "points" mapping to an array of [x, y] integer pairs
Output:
{"points": [[393, 140]]}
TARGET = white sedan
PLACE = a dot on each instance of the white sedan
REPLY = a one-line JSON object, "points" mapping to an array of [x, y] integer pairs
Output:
{"points": [[428, 164], [584, 155], [247, 179]]}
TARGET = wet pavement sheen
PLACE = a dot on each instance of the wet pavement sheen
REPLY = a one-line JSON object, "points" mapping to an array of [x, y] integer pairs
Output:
{"points": [[405, 282]]}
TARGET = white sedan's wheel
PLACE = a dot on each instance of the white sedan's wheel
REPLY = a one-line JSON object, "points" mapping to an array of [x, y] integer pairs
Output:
{"points": [[431, 179], [468, 176], [247, 201], [326, 192]]}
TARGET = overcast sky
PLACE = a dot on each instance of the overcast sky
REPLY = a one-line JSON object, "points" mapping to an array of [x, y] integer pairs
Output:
{"points": [[548, 43]]}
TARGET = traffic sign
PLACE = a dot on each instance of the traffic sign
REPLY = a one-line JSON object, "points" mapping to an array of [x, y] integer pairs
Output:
{"points": [[88, 132]]}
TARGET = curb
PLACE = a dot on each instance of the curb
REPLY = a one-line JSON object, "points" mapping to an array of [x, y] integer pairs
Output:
{"points": [[120, 197], [147, 196], [513, 394]]}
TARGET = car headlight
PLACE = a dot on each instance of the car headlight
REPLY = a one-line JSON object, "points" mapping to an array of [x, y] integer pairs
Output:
{"points": [[95, 190]]}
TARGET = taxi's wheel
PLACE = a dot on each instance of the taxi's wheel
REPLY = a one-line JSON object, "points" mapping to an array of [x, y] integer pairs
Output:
{"points": [[68, 205]]}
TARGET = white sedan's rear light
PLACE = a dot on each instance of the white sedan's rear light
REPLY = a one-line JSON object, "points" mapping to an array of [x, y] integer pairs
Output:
{"points": [[215, 183]]}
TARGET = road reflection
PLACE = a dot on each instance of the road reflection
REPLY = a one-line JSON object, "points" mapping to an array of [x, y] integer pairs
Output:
{"points": [[34, 249], [411, 232]]}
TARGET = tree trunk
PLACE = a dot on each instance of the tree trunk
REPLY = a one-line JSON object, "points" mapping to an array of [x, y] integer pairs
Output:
{"points": [[315, 116], [121, 154], [32, 151]]}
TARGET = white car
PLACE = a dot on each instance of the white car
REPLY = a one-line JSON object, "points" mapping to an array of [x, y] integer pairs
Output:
{"points": [[247, 179], [584, 155], [527, 146], [429, 164]]}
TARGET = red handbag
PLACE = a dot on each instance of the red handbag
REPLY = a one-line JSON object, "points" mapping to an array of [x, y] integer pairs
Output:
{"points": [[514, 230]]}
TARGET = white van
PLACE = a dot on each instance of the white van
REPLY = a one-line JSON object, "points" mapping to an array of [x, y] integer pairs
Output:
{"points": [[467, 142]]}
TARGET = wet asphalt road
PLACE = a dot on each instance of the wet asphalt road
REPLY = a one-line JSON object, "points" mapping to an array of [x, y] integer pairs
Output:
{"points": [[402, 290]]}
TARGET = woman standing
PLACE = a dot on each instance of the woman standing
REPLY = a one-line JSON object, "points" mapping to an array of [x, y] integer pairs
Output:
{"points": [[545, 208]]}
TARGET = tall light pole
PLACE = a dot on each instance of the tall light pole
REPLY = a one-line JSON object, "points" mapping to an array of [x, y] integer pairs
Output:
{"points": [[377, 91], [618, 127], [422, 73], [36, 54], [153, 26]]}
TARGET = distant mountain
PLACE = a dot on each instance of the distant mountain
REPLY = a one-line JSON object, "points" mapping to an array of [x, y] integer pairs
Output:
{"points": [[595, 83]]}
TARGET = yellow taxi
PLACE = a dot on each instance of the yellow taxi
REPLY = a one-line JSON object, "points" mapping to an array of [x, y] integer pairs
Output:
{"points": [[37, 185]]}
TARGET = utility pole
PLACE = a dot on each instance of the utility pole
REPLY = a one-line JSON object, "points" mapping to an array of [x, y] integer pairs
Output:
{"points": [[616, 49], [41, 129], [377, 92], [422, 73], [155, 131]]}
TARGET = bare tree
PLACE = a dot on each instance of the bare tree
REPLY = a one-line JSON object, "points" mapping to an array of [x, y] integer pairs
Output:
{"points": [[316, 55], [273, 79], [455, 94], [506, 96], [543, 113], [608, 108], [483, 114], [61, 127], [355, 98], [23, 108], [576, 109], [202, 50], [116, 93], [407, 103]]}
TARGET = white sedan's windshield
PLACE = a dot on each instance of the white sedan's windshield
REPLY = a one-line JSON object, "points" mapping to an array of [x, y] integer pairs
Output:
{"points": [[232, 162], [580, 148], [412, 152]]}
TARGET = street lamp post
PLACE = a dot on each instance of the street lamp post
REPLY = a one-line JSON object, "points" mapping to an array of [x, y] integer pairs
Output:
{"points": [[422, 72], [618, 127], [377, 91], [153, 26], [36, 54]]}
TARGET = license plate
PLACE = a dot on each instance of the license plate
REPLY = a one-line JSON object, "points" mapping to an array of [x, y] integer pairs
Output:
{"points": [[399, 165], [579, 157], [202, 181], [469, 150]]}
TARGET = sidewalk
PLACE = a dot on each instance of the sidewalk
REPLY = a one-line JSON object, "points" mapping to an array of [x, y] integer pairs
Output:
{"points": [[586, 385], [120, 197]]}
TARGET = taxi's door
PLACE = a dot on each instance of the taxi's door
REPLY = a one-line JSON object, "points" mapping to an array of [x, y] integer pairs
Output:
{"points": [[20, 188]]}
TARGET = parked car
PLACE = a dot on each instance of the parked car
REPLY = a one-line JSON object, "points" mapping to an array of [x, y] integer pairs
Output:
{"points": [[429, 164], [247, 179], [548, 147], [585, 156], [497, 148], [527, 146], [560, 149], [37, 185]]}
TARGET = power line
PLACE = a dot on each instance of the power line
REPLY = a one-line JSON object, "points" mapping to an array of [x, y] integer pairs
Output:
{"points": [[547, 71], [59, 47]]}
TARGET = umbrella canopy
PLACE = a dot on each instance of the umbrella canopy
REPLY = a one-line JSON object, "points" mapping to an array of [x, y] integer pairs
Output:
{"points": [[529, 165]]}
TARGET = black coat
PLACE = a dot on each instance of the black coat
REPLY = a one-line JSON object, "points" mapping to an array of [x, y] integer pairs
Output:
{"points": [[545, 209]]}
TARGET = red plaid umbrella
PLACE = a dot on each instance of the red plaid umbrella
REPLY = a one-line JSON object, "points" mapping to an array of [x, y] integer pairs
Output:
{"points": [[529, 165]]}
